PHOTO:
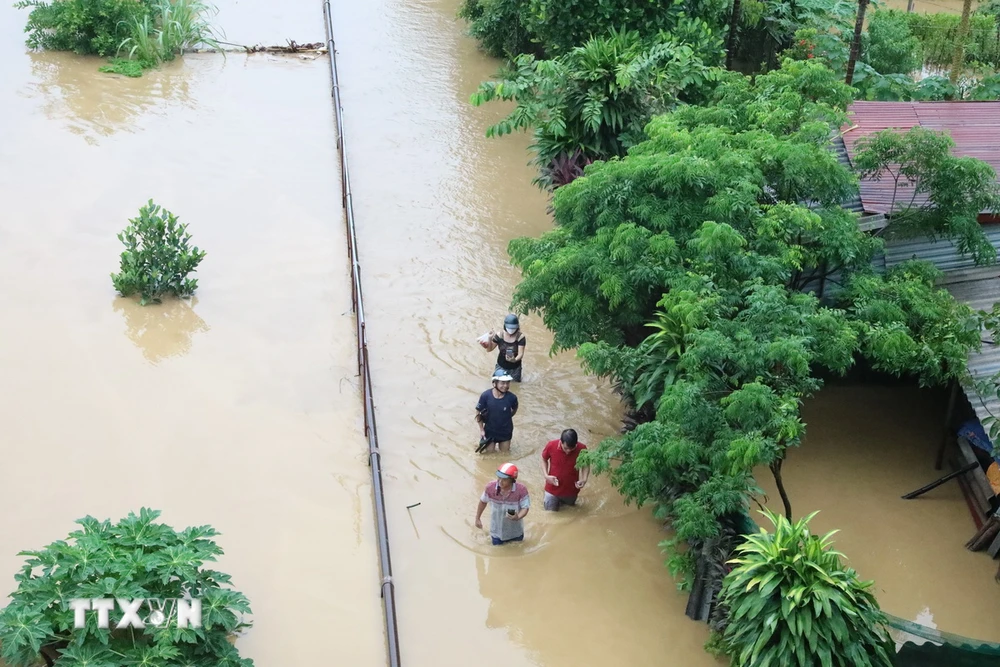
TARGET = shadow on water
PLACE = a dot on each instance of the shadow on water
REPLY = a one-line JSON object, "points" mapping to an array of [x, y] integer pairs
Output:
{"points": [[95, 104], [161, 330]]}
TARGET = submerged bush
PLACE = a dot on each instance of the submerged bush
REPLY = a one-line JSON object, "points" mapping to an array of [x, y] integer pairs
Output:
{"points": [[158, 257], [498, 28], [793, 603], [86, 27], [148, 32], [131, 560]]}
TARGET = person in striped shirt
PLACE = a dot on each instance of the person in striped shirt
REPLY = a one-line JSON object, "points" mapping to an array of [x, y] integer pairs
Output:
{"points": [[509, 505]]}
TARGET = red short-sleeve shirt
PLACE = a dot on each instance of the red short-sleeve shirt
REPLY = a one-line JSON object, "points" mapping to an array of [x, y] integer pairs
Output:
{"points": [[562, 466]]}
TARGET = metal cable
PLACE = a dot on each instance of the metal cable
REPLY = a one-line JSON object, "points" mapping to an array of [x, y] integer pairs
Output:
{"points": [[371, 433]]}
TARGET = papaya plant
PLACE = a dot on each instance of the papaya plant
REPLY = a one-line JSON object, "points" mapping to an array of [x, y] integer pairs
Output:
{"points": [[136, 558], [158, 257]]}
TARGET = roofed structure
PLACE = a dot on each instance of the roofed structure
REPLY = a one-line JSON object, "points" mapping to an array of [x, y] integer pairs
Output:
{"points": [[973, 126]]}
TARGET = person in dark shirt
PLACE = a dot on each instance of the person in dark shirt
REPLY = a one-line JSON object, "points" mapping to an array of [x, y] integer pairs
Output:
{"points": [[495, 415], [511, 343]]}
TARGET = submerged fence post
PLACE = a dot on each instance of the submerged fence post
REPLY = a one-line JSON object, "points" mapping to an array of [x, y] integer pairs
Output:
{"points": [[387, 589]]}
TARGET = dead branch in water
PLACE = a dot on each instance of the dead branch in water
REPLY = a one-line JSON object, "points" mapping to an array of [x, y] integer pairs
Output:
{"points": [[291, 46]]}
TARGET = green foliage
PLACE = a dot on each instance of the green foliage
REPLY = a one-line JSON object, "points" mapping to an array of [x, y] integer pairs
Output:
{"points": [[497, 26], [86, 27], [625, 227], [152, 31], [889, 46], [988, 386], [126, 67], [938, 34], [793, 603], [681, 271], [158, 256], [171, 27], [562, 25], [594, 100], [135, 558], [768, 28], [908, 326], [731, 400], [935, 192]]}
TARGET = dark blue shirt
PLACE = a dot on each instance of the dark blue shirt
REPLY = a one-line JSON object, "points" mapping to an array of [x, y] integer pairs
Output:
{"points": [[499, 419]]}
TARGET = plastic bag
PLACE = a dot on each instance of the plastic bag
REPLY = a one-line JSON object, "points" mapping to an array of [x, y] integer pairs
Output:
{"points": [[485, 340]]}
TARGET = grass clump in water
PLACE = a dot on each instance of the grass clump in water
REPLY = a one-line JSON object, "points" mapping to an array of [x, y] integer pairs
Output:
{"points": [[126, 67]]}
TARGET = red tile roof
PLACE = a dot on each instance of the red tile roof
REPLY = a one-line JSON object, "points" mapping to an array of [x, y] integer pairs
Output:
{"points": [[973, 126]]}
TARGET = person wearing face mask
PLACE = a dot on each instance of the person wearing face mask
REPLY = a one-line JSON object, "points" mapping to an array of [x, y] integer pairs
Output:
{"points": [[511, 343]]}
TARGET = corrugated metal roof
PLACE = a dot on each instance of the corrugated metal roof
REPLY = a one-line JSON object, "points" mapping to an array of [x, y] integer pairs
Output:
{"points": [[840, 148], [974, 127], [981, 292], [943, 252]]}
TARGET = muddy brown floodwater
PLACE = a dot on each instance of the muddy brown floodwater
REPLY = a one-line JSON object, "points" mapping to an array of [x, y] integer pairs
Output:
{"points": [[436, 204], [865, 447], [238, 409], [930, 6]]}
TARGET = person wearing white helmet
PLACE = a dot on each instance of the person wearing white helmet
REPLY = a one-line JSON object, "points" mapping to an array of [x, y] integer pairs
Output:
{"points": [[495, 414], [510, 504]]}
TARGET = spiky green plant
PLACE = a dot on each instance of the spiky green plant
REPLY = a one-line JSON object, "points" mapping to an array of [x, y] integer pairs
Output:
{"points": [[794, 604]]}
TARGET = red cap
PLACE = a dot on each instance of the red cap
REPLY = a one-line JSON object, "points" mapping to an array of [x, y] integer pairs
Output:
{"points": [[507, 470]]}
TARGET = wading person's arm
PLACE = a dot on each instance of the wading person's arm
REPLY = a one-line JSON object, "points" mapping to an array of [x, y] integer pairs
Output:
{"points": [[479, 513], [546, 461], [480, 412], [524, 506], [520, 348], [584, 476]]}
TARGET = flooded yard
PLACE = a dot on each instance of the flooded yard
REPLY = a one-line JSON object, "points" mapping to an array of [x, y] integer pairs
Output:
{"points": [[867, 446]]}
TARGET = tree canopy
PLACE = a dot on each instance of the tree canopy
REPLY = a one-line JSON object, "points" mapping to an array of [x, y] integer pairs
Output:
{"points": [[688, 272]]}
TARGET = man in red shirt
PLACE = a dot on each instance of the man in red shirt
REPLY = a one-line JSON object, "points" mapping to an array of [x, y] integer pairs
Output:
{"points": [[562, 480]]}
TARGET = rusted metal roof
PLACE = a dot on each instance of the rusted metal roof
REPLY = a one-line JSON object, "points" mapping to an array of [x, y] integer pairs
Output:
{"points": [[973, 126], [980, 289]]}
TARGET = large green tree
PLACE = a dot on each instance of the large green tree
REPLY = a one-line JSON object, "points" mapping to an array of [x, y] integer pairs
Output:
{"points": [[683, 272], [624, 226], [592, 102]]}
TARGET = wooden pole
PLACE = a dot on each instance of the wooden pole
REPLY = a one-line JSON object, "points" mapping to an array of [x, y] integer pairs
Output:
{"points": [[909, 7], [952, 400]]}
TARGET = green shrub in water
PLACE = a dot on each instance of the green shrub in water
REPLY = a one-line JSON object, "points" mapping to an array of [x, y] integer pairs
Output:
{"points": [[171, 27], [792, 603], [158, 257], [133, 559], [149, 32], [87, 27]]}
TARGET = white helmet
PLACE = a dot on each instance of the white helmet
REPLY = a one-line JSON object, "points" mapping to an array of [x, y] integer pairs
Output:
{"points": [[503, 377]]}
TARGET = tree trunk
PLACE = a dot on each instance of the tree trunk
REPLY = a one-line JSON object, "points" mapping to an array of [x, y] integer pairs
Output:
{"points": [[776, 471], [856, 43], [734, 22], [963, 32]]}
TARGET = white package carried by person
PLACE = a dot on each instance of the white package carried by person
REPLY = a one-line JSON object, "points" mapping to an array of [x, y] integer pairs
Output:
{"points": [[485, 340]]}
